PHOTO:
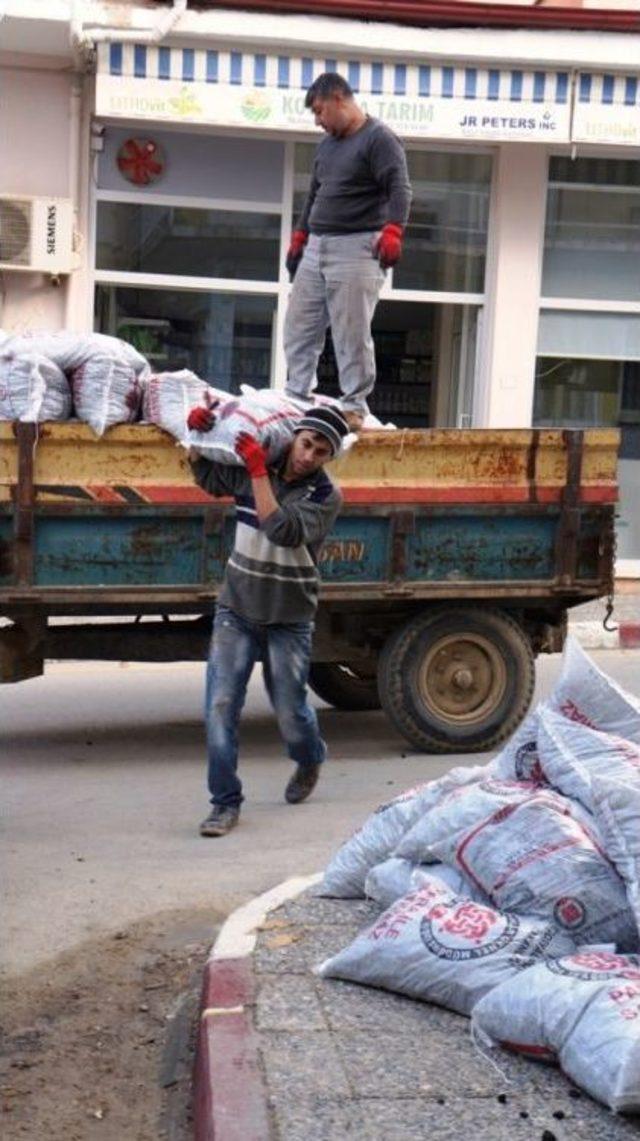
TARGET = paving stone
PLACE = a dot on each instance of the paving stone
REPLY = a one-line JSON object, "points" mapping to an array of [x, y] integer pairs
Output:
{"points": [[486, 1119], [288, 1003], [315, 1119], [553, 1104], [309, 946], [540, 1090], [274, 955], [593, 1123], [396, 1065], [323, 942], [416, 1119], [311, 909], [302, 1065], [349, 1006]]}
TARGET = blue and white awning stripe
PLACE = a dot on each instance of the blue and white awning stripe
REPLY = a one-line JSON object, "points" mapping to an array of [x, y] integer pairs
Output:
{"points": [[606, 109], [612, 90], [367, 77]]}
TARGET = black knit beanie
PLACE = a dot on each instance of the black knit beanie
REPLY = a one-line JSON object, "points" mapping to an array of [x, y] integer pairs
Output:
{"points": [[327, 420]]}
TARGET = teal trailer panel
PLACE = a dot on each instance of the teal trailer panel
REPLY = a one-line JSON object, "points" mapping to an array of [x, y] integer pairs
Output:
{"points": [[94, 547]]}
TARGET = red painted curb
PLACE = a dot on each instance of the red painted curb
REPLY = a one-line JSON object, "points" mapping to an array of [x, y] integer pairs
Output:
{"points": [[229, 1097], [629, 635]]}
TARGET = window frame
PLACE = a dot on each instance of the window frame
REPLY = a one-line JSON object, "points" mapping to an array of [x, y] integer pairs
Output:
{"points": [[279, 287], [582, 304]]}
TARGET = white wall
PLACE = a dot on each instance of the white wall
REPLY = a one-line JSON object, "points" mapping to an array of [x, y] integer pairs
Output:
{"points": [[34, 160], [34, 109], [504, 389]]}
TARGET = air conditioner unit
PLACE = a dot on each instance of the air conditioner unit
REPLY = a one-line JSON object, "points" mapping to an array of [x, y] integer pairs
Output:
{"points": [[36, 234]]}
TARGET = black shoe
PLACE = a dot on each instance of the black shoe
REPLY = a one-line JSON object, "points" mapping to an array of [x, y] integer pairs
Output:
{"points": [[302, 783], [219, 821]]}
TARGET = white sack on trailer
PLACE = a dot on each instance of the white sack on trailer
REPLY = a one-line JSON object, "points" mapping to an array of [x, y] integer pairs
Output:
{"points": [[105, 373], [270, 416], [32, 388], [106, 391], [71, 350], [168, 397]]}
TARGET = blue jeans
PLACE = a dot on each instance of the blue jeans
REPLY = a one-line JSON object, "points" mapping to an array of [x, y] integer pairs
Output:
{"points": [[285, 651], [337, 284]]}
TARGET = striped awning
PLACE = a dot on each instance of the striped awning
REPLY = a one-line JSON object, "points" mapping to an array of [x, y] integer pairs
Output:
{"points": [[607, 109], [265, 91]]}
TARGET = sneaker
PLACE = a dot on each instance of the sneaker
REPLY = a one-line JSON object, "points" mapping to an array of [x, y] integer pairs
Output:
{"points": [[219, 821], [302, 783]]}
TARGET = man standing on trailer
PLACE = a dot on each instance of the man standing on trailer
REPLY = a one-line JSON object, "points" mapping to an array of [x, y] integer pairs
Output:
{"points": [[349, 232], [268, 599]]}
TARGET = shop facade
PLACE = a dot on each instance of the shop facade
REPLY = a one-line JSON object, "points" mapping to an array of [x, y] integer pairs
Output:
{"points": [[517, 300]]}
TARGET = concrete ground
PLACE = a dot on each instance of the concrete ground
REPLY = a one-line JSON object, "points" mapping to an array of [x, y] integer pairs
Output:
{"points": [[102, 768], [103, 788]]}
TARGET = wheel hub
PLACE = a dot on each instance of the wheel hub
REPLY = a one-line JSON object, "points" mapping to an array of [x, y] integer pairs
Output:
{"points": [[462, 677]]}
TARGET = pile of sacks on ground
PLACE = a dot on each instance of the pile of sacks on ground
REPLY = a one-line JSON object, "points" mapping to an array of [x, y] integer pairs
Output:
{"points": [[104, 381], [512, 890]]}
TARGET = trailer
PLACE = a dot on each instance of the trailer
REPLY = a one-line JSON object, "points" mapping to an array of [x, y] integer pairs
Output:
{"points": [[451, 566]]}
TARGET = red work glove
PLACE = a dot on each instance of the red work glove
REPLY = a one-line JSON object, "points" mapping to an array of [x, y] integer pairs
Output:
{"points": [[252, 454], [299, 239], [389, 247], [200, 419]]}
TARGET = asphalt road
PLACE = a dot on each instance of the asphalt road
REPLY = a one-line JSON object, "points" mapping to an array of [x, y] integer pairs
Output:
{"points": [[102, 768]]}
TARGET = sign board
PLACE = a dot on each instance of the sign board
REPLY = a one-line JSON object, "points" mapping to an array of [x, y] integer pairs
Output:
{"points": [[607, 110], [416, 102]]}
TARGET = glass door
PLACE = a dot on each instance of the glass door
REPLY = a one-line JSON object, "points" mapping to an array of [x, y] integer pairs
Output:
{"points": [[425, 364], [463, 366]]}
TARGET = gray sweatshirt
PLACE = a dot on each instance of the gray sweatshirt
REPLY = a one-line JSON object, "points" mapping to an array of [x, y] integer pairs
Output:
{"points": [[272, 574], [358, 183]]}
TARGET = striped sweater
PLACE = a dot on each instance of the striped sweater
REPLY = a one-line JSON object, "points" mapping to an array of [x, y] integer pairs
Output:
{"points": [[272, 574]]}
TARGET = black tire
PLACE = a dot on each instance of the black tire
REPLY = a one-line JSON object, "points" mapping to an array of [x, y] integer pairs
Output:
{"points": [[457, 681], [344, 686]]}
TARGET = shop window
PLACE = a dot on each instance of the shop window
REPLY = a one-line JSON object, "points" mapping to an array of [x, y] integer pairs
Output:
{"points": [[446, 239], [588, 370], [592, 234], [141, 238], [588, 375], [210, 166], [224, 338], [565, 332], [577, 393]]}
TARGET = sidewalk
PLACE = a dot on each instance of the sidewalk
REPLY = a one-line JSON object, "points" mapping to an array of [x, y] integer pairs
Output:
{"points": [[585, 621], [286, 1056]]}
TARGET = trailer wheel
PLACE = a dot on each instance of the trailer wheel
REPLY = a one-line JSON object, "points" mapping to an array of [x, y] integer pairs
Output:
{"points": [[457, 681], [344, 686]]}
